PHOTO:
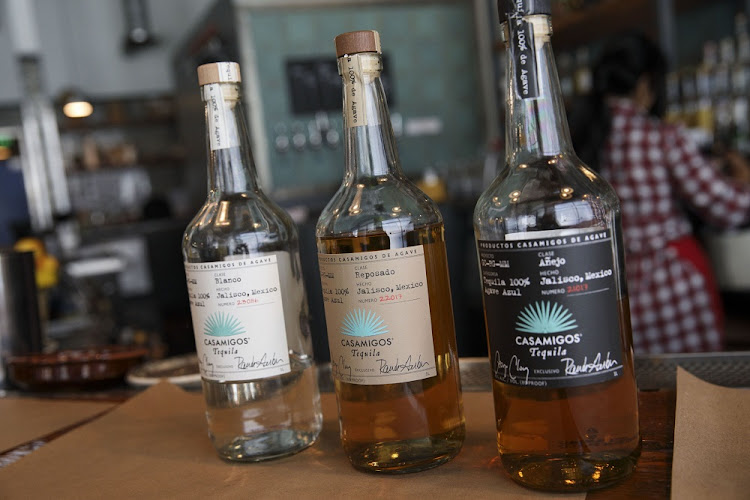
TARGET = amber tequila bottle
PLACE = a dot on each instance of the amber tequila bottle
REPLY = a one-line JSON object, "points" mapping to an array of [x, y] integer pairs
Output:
{"points": [[555, 298], [247, 299], [387, 300]]}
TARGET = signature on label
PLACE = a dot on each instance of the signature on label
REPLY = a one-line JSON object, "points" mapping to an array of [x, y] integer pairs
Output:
{"points": [[511, 371], [407, 366], [597, 365], [207, 367], [265, 361], [339, 368]]}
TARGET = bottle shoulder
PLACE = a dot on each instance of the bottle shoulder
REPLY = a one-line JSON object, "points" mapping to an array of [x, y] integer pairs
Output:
{"points": [[550, 193], [237, 224], [375, 204]]}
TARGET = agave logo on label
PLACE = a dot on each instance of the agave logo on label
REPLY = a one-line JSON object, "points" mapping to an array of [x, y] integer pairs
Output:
{"points": [[545, 317], [363, 323], [221, 324]]}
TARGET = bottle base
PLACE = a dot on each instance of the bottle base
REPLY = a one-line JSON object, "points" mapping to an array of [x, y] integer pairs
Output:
{"points": [[569, 473], [266, 446], [406, 456]]}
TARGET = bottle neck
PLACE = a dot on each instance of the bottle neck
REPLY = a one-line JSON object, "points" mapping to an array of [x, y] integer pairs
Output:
{"points": [[536, 124], [230, 161], [369, 144]]}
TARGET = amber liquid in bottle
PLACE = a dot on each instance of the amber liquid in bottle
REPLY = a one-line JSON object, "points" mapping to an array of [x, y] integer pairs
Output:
{"points": [[545, 453], [418, 424], [391, 333], [563, 428]]}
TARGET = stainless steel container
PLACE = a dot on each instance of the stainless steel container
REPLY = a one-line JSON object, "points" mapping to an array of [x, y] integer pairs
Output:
{"points": [[20, 325]]}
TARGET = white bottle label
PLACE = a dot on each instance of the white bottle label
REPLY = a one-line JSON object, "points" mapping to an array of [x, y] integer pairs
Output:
{"points": [[218, 134], [378, 314], [238, 318], [357, 70], [354, 97], [228, 71]]}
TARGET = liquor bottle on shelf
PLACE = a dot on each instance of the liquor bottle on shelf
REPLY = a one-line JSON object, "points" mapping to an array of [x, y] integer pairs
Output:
{"points": [[567, 81], [722, 98], [555, 298], [741, 87], [248, 304], [706, 76], [584, 76], [741, 68], [387, 298], [674, 111]]}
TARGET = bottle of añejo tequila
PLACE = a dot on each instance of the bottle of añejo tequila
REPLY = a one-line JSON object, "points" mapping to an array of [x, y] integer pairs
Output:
{"points": [[248, 304], [555, 298], [387, 299]]}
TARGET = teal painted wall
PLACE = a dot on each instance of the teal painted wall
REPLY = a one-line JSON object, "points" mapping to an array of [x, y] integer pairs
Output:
{"points": [[432, 58]]}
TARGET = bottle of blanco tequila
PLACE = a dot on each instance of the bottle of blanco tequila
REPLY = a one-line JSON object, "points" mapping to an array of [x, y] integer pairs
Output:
{"points": [[247, 300]]}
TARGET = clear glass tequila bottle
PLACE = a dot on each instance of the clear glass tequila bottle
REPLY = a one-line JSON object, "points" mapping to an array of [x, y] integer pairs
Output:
{"points": [[248, 304], [555, 297], [387, 297]]}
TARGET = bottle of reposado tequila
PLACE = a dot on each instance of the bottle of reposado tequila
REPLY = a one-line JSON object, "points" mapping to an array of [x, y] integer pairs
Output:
{"points": [[247, 299], [386, 291], [555, 298]]}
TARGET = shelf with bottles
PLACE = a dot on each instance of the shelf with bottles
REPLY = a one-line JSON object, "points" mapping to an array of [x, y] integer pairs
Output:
{"points": [[123, 133], [712, 98], [127, 112], [708, 96], [121, 157], [91, 155]]}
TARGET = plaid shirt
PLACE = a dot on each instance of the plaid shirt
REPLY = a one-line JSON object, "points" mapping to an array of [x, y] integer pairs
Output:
{"points": [[656, 170]]}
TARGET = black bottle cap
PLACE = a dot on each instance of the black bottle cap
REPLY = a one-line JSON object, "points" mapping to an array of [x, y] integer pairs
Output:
{"points": [[508, 8]]}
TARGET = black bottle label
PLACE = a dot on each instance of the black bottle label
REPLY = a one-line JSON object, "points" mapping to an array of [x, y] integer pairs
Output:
{"points": [[551, 309], [523, 54]]}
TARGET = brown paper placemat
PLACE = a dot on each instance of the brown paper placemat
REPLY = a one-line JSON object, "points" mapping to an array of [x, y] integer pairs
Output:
{"points": [[25, 419], [711, 441], [155, 446]]}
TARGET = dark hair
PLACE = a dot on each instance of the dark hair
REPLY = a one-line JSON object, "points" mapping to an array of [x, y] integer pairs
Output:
{"points": [[615, 73]]}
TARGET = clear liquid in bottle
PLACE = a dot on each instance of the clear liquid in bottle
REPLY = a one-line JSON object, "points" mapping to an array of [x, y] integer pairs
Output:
{"points": [[247, 299]]}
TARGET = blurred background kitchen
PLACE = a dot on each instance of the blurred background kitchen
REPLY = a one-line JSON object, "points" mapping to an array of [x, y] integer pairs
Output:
{"points": [[102, 141]]}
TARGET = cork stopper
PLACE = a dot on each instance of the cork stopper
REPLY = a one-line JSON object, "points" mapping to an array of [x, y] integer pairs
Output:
{"points": [[355, 42], [220, 72]]}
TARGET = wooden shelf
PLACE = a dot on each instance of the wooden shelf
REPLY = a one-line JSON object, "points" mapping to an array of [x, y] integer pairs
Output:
{"points": [[147, 162], [602, 20], [123, 113], [85, 125]]}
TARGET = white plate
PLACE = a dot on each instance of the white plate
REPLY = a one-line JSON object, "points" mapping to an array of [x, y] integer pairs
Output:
{"points": [[179, 370]]}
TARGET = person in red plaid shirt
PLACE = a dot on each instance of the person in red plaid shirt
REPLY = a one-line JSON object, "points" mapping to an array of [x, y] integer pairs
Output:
{"points": [[659, 174]]}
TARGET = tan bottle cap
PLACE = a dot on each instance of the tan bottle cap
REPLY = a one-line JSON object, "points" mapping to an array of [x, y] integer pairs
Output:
{"points": [[355, 42], [221, 72]]}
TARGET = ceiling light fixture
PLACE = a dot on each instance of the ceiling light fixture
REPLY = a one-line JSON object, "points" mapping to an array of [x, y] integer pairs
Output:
{"points": [[76, 106]]}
